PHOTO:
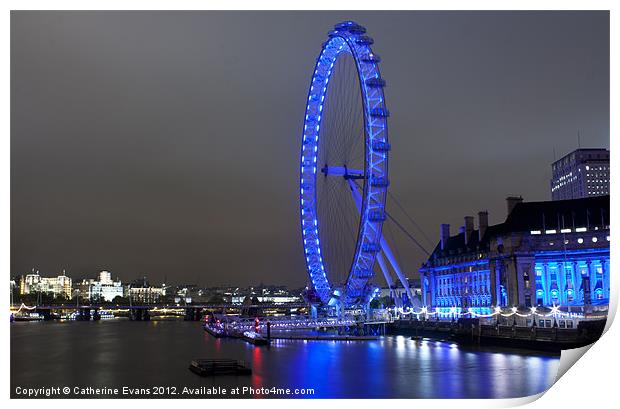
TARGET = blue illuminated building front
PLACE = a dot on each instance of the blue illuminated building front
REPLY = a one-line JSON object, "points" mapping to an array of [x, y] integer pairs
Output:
{"points": [[572, 278], [545, 254]]}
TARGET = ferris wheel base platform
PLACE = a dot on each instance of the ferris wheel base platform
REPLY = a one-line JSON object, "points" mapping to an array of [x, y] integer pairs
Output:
{"points": [[327, 337]]}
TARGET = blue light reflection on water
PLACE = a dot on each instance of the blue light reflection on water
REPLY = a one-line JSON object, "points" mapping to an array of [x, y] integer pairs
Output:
{"points": [[400, 367], [142, 354]]}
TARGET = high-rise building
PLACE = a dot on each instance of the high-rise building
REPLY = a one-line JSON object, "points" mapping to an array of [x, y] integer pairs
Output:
{"points": [[581, 173]]}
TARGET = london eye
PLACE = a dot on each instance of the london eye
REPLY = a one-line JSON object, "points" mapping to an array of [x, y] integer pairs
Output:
{"points": [[344, 169]]}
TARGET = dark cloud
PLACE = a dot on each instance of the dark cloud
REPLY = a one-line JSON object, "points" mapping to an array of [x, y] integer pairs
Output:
{"points": [[166, 143]]}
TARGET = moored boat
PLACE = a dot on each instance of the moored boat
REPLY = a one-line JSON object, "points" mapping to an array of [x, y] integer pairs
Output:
{"points": [[255, 338], [208, 367], [213, 331], [33, 316]]}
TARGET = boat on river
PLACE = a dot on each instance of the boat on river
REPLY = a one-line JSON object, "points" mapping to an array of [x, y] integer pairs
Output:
{"points": [[209, 367], [214, 331], [255, 338], [33, 316]]}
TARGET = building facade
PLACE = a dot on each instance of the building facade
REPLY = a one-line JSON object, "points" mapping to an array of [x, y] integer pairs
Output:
{"points": [[102, 289], [147, 295], [141, 291], [581, 173], [545, 254], [30, 283], [57, 286], [61, 285]]}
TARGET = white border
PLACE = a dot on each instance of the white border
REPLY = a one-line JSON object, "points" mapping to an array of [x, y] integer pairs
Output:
{"points": [[593, 382]]}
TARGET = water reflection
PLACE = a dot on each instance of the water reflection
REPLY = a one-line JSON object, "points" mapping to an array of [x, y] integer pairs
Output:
{"points": [[257, 367], [137, 354]]}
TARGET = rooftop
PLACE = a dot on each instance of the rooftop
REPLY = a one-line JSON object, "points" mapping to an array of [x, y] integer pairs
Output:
{"points": [[602, 151], [529, 216]]}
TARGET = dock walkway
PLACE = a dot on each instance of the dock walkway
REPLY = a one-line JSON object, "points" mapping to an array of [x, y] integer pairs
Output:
{"points": [[327, 337]]}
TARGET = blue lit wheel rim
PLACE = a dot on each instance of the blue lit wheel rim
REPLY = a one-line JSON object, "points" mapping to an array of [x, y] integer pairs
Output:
{"points": [[348, 39]]}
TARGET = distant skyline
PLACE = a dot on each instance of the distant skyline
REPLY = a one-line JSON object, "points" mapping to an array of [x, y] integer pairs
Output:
{"points": [[153, 283], [166, 144]]}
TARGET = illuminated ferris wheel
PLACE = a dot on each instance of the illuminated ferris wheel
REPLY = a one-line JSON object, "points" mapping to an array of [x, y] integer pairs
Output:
{"points": [[344, 170]]}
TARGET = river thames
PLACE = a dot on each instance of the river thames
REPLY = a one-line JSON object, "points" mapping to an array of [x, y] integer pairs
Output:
{"points": [[154, 356]]}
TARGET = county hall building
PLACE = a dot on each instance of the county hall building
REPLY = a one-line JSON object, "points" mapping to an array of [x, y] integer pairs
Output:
{"points": [[553, 253]]}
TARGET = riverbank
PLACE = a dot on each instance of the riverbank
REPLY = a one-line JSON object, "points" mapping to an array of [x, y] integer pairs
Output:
{"points": [[472, 331]]}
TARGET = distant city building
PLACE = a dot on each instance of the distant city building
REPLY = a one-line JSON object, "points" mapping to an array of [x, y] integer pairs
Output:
{"points": [[56, 286], [581, 173], [147, 295], [102, 289], [142, 292], [186, 290], [61, 285], [552, 253], [399, 294], [30, 284], [264, 294], [269, 299]]}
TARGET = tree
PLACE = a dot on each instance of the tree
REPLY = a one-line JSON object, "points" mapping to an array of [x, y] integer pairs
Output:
{"points": [[216, 300], [96, 299], [118, 300], [61, 299]]}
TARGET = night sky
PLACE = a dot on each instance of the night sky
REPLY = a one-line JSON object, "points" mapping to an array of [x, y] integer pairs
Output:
{"points": [[166, 144]]}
